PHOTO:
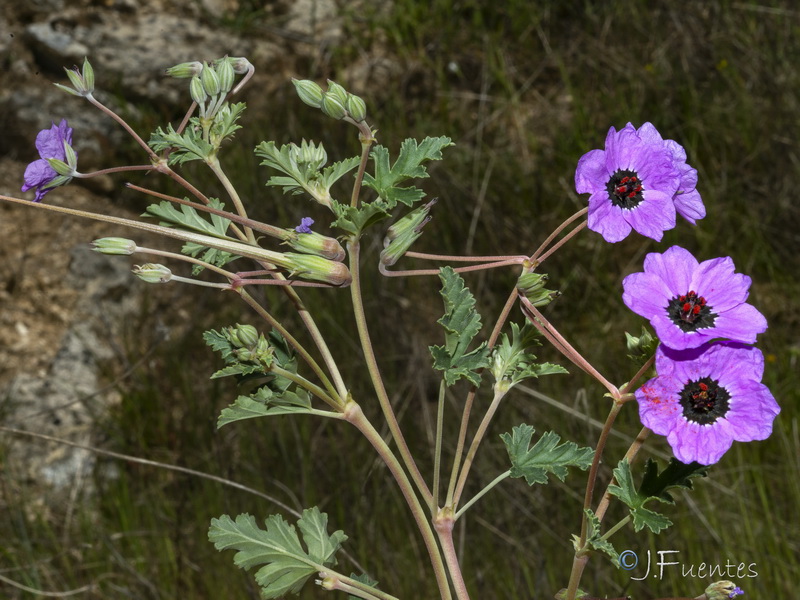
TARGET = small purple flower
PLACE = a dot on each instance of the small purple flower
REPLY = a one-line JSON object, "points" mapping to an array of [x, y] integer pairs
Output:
{"points": [[706, 398], [305, 225], [736, 592], [687, 199], [50, 144], [632, 183], [690, 303]]}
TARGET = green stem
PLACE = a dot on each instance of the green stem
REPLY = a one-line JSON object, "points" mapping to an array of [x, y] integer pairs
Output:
{"points": [[354, 248], [476, 441], [452, 500], [355, 415], [307, 385], [292, 341], [216, 168], [437, 456], [480, 494], [337, 581], [366, 138], [625, 520], [190, 259]]}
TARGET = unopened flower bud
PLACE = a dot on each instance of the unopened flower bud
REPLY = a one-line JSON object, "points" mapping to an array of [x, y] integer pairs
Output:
{"points": [[532, 286], [311, 242], [337, 91], [722, 590], [356, 108], [332, 107], [210, 80], [152, 273], [226, 76], [197, 91], [402, 234], [243, 336], [309, 92], [642, 347], [316, 268], [114, 245], [185, 70], [239, 64]]}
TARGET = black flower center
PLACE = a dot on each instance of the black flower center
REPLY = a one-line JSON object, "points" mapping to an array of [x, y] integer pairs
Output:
{"points": [[690, 312], [704, 401], [625, 189]]}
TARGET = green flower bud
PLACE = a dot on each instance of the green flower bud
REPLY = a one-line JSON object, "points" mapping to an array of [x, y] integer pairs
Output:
{"points": [[309, 92], [152, 273], [239, 64], [114, 245], [337, 91], [532, 286], [226, 76], [210, 80], [243, 336], [402, 234], [316, 268], [332, 107], [722, 590], [316, 244], [197, 91], [185, 70], [641, 348], [356, 108]]}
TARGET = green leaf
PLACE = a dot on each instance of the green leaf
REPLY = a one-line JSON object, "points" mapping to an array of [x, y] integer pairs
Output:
{"points": [[593, 538], [461, 323], [407, 166], [355, 220], [546, 456], [366, 580], [676, 475], [635, 499], [186, 217], [287, 565], [183, 147], [265, 403], [511, 362]]}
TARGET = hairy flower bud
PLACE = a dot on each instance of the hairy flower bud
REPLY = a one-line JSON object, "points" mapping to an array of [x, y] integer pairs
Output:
{"points": [[356, 108], [197, 91], [185, 70], [332, 107], [402, 234], [210, 80], [114, 245], [722, 590], [243, 336], [337, 91], [226, 76], [309, 92], [239, 64], [316, 268], [152, 273], [317, 244]]}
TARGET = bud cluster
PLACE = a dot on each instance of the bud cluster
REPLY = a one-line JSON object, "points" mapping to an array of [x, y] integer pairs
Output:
{"points": [[336, 102], [250, 346]]}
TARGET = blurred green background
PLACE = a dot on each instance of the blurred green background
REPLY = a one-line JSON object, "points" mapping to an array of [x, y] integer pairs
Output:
{"points": [[524, 89]]}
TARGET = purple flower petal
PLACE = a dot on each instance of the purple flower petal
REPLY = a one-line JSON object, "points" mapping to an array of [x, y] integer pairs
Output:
{"points": [[706, 398], [690, 303], [50, 144]]}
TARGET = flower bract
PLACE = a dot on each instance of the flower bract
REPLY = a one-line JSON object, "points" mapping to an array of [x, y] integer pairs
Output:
{"points": [[689, 303], [634, 183], [50, 143], [703, 399]]}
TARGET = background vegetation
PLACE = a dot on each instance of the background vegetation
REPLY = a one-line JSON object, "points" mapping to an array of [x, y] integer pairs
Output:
{"points": [[524, 89]]}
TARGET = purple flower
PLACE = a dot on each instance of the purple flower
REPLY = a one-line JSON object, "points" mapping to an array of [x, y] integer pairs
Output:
{"points": [[736, 591], [305, 225], [632, 184], [690, 303], [50, 144], [706, 398], [687, 199]]}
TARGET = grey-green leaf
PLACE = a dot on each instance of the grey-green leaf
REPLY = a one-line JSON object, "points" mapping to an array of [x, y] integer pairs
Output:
{"points": [[546, 456]]}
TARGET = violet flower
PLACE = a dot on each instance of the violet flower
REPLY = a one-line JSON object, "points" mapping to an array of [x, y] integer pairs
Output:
{"points": [[51, 144], [690, 303], [632, 183], [706, 398], [687, 199], [305, 225]]}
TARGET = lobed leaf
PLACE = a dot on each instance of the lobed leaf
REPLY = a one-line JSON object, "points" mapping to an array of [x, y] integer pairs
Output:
{"points": [[546, 456]]}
